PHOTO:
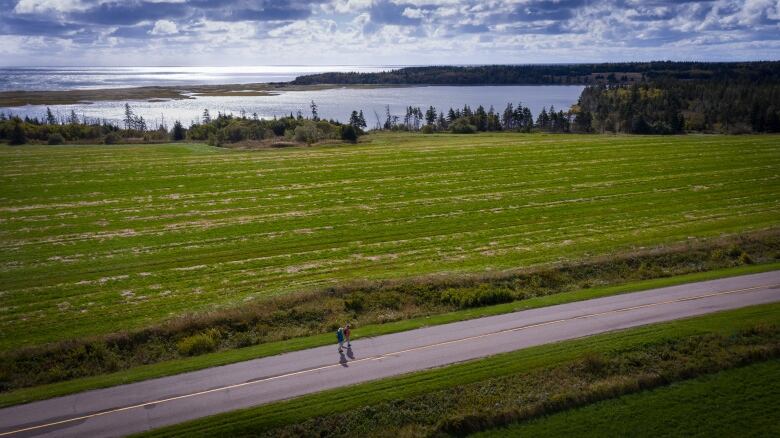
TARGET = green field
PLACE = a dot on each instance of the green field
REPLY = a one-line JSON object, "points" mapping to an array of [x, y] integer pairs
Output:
{"points": [[98, 239], [740, 402]]}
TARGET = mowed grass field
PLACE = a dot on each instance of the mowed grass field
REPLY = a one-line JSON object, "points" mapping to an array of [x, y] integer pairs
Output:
{"points": [[98, 239]]}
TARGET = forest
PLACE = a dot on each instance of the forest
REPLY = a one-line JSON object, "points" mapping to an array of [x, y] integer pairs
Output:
{"points": [[553, 74], [674, 106]]}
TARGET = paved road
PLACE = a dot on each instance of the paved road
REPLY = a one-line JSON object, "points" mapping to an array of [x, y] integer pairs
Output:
{"points": [[145, 405]]}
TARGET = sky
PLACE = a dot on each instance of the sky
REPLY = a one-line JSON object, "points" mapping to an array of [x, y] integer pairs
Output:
{"points": [[383, 32]]}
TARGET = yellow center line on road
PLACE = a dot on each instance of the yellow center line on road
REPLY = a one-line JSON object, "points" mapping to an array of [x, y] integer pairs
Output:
{"points": [[384, 355]]}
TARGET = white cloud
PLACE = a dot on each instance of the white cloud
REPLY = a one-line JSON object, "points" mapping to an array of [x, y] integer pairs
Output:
{"points": [[44, 6], [454, 31], [347, 6], [164, 27], [413, 13]]}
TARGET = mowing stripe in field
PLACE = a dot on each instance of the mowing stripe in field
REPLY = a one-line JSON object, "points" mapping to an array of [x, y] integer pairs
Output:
{"points": [[97, 239]]}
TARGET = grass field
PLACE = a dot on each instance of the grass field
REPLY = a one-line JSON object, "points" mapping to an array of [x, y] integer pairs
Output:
{"points": [[739, 402], [99, 239]]}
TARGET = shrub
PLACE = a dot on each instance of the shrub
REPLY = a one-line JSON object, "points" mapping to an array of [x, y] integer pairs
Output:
{"points": [[462, 126], [245, 339], [235, 133], [201, 343], [745, 259], [734, 251], [354, 303], [481, 296], [307, 133], [55, 139], [349, 134], [216, 140], [427, 129], [112, 138], [278, 127], [18, 135]]}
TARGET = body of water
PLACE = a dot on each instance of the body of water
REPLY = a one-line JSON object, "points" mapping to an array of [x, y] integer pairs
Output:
{"points": [[335, 103], [69, 78]]}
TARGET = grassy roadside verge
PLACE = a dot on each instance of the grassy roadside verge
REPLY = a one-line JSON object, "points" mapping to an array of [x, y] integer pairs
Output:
{"points": [[737, 402], [231, 356], [547, 378]]}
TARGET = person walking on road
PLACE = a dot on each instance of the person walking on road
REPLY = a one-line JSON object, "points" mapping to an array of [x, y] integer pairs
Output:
{"points": [[347, 332], [340, 338]]}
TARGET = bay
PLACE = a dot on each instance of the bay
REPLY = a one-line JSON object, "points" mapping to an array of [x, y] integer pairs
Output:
{"points": [[336, 103]]}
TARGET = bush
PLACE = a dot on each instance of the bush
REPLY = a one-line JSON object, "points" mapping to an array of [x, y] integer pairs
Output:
{"points": [[307, 133], [112, 138], [17, 133], [216, 140], [55, 139], [201, 343], [349, 134], [462, 126], [745, 259], [482, 296], [427, 129], [734, 251], [354, 303]]}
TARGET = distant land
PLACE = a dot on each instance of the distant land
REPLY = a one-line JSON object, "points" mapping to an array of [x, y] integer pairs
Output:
{"points": [[554, 74], [551, 74]]}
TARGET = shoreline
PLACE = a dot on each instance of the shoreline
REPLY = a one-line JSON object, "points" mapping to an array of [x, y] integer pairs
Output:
{"points": [[19, 98]]}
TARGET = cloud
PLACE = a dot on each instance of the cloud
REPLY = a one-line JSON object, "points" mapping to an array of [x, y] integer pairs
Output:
{"points": [[164, 27], [130, 12], [386, 12], [413, 13], [47, 6], [390, 31]]}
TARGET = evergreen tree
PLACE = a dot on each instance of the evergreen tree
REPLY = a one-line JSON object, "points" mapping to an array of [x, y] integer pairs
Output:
{"points": [[480, 118], [441, 124], [129, 116], [354, 119], [50, 120], [508, 117], [582, 121], [349, 133], [543, 121], [361, 120], [430, 116], [178, 131], [451, 116], [17, 133]]}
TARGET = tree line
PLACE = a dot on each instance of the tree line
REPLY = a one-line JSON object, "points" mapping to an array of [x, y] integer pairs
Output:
{"points": [[216, 130], [517, 118], [223, 128], [552, 74], [674, 106]]}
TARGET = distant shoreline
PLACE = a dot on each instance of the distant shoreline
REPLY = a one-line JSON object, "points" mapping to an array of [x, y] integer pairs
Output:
{"points": [[10, 99]]}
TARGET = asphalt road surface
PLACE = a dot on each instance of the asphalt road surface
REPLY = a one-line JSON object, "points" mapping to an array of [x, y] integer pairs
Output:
{"points": [[141, 406]]}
